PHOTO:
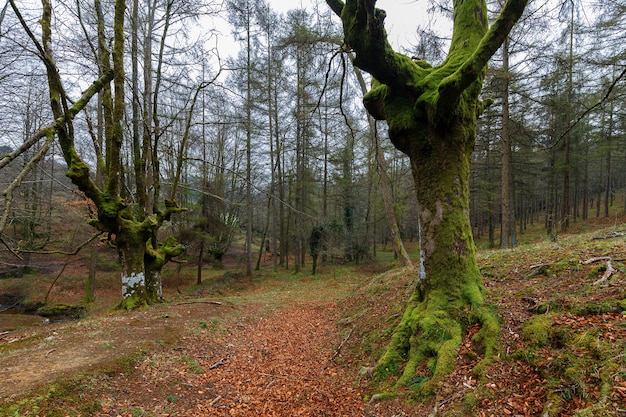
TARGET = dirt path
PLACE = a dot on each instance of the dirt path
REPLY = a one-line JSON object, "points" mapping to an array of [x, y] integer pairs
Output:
{"points": [[273, 365], [40, 355], [270, 349]]}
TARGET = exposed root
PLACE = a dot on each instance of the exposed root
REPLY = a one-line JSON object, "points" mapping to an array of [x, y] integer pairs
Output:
{"points": [[423, 348]]}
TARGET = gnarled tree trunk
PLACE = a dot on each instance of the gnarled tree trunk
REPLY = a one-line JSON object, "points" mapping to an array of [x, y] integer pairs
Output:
{"points": [[431, 113], [130, 230]]}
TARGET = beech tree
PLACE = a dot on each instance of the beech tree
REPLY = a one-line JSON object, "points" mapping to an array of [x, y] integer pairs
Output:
{"points": [[129, 208], [431, 112]]}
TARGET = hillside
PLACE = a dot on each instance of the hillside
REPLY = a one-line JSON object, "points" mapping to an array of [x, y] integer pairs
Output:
{"points": [[285, 345]]}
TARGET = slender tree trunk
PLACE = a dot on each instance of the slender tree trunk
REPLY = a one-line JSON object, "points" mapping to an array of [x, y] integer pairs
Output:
{"points": [[508, 212], [585, 213], [249, 209], [381, 163], [566, 203], [609, 150]]}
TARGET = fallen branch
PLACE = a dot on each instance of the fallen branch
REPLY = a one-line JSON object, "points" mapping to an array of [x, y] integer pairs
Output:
{"points": [[594, 260], [539, 269], [201, 302], [7, 309], [612, 235], [339, 349], [607, 273]]}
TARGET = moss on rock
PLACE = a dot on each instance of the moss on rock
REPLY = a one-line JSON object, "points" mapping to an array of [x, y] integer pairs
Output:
{"points": [[62, 311]]}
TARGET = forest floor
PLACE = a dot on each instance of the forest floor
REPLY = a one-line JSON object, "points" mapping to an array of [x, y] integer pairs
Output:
{"points": [[293, 345]]}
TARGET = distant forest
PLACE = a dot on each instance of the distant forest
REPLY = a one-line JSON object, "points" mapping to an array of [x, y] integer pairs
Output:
{"points": [[269, 147]]}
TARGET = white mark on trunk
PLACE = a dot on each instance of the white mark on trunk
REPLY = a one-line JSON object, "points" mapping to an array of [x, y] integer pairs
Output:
{"points": [[422, 272], [130, 284], [159, 284]]}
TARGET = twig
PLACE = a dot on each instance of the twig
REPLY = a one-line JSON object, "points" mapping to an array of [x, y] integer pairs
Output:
{"points": [[339, 349], [219, 363], [49, 352], [215, 400]]}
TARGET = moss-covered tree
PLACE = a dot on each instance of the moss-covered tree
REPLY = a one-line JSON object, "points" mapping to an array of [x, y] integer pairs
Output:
{"points": [[130, 226], [431, 112]]}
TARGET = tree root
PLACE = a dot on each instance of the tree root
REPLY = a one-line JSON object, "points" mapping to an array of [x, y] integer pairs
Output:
{"points": [[424, 345]]}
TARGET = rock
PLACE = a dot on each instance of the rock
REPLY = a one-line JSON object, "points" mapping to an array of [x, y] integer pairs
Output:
{"points": [[366, 371]]}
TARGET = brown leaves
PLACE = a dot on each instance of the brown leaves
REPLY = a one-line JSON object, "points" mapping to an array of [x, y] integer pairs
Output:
{"points": [[273, 365], [277, 365]]}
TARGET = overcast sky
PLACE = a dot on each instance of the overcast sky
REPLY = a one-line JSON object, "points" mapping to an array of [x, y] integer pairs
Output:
{"points": [[403, 16]]}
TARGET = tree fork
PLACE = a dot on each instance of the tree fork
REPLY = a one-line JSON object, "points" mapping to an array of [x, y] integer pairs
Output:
{"points": [[432, 113]]}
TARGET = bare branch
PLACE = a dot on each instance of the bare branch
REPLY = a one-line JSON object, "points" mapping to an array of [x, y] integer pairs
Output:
{"points": [[71, 253], [17, 181], [53, 127]]}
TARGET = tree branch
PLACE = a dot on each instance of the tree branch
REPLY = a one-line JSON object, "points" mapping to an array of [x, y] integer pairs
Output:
{"points": [[71, 253], [336, 6], [589, 110], [54, 127], [17, 181], [455, 84], [364, 32]]}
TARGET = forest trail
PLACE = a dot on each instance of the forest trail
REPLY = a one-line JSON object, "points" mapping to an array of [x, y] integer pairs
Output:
{"points": [[271, 349], [276, 364]]}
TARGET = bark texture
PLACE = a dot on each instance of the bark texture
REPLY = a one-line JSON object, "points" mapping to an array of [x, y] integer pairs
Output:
{"points": [[432, 113]]}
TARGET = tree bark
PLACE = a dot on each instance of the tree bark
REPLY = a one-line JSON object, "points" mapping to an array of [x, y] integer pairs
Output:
{"points": [[129, 229], [431, 113], [508, 218]]}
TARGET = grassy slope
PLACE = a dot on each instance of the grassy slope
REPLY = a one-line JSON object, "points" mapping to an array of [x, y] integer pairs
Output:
{"points": [[563, 344]]}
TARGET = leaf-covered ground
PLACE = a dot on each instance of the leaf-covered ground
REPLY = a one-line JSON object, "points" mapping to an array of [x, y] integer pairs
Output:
{"points": [[294, 346]]}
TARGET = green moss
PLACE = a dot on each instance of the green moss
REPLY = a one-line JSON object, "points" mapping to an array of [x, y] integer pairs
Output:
{"points": [[132, 303], [428, 337], [61, 310], [598, 307], [536, 331], [596, 410], [487, 339]]}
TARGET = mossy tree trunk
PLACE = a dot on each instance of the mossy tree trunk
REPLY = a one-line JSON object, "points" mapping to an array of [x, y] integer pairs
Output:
{"points": [[431, 113], [131, 227]]}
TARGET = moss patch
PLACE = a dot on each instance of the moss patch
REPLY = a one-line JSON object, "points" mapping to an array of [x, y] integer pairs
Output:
{"points": [[62, 311]]}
